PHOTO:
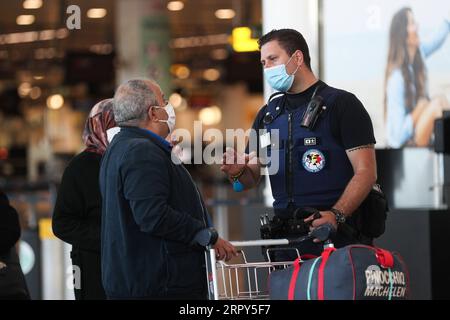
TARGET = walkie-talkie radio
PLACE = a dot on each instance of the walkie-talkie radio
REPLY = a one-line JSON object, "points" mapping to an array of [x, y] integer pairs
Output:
{"points": [[313, 110]]}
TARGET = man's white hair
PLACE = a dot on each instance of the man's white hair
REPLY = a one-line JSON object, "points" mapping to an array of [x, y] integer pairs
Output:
{"points": [[131, 101]]}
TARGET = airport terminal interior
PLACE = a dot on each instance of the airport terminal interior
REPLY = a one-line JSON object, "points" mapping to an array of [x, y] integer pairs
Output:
{"points": [[59, 58]]}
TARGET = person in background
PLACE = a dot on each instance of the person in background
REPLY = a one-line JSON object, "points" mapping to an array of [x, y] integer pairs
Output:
{"points": [[77, 213], [409, 111], [12, 280]]}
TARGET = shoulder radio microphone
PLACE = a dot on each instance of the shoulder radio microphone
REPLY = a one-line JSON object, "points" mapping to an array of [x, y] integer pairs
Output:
{"points": [[313, 110]]}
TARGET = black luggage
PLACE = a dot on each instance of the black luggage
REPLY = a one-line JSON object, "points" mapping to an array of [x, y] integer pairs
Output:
{"points": [[354, 272]]}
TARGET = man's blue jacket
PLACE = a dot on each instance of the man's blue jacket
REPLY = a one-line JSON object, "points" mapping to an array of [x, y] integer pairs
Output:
{"points": [[151, 211]]}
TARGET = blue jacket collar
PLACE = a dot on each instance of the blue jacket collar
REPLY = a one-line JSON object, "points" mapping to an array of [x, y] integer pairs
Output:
{"points": [[164, 144]]}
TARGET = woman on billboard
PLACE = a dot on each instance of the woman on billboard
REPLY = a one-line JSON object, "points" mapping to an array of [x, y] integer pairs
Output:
{"points": [[409, 111]]}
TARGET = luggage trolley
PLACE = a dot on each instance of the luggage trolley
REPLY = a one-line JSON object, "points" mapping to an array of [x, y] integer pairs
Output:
{"points": [[242, 281], [226, 280]]}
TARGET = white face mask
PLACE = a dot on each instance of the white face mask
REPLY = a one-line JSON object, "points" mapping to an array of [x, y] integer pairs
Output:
{"points": [[171, 116], [111, 132]]}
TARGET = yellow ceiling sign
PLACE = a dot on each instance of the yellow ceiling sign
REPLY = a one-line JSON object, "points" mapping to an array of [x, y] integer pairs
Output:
{"points": [[45, 229], [242, 40]]}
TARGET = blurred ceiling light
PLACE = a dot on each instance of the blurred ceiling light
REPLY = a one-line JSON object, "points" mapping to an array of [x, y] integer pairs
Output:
{"points": [[210, 116], [96, 13], [219, 54], [62, 33], [25, 19], [176, 100], [45, 53], [183, 105], [211, 74], [33, 36], [55, 101], [32, 4], [22, 37], [181, 71], [24, 89], [225, 13], [105, 48], [175, 5], [50, 53], [242, 40], [35, 93], [47, 35], [201, 41], [38, 77]]}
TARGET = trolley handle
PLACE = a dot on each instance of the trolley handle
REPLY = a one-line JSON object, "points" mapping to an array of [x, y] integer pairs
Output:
{"points": [[322, 233]]}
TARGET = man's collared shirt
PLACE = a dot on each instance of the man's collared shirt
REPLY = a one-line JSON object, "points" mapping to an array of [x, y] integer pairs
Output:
{"points": [[165, 143]]}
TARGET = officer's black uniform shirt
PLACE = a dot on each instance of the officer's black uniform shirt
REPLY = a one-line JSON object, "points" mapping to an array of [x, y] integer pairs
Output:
{"points": [[350, 122]]}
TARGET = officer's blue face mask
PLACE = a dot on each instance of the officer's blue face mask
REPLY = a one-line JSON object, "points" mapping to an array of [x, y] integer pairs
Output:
{"points": [[278, 78]]}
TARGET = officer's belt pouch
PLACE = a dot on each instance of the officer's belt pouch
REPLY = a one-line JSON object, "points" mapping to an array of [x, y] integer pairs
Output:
{"points": [[284, 228], [354, 272], [371, 219]]}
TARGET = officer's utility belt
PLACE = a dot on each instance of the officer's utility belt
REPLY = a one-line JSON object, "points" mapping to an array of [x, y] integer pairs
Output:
{"points": [[367, 222], [287, 227]]}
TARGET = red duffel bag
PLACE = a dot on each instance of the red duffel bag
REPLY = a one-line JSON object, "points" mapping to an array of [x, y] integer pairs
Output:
{"points": [[354, 272]]}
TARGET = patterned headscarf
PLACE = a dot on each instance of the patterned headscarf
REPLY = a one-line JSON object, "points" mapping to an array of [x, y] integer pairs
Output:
{"points": [[101, 118]]}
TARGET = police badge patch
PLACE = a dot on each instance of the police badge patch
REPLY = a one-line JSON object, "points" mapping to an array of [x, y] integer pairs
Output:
{"points": [[313, 160]]}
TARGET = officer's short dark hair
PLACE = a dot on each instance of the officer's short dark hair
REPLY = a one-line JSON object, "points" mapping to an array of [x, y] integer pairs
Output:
{"points": [[290, 40]]}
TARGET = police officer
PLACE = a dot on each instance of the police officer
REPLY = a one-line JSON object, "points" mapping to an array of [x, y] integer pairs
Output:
{"points": [[326, 143]]}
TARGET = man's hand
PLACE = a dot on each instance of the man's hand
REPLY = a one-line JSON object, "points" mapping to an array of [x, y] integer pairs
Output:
{"points": [[326, 217], [174, 139], [233, 162], [224, 250]]}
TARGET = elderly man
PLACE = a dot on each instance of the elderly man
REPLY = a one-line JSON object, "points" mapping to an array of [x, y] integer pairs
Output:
{"points": [[154, 222]]}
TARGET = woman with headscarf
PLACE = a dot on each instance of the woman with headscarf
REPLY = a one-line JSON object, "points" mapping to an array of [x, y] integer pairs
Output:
{"points": [[409, 111], [77, 213]]}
